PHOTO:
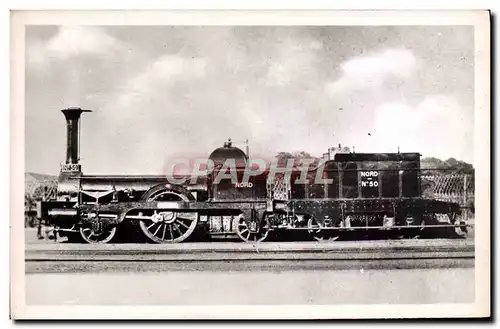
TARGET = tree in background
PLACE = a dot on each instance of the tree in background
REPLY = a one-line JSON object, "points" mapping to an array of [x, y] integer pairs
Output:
{"points": [[29, 210], [435, 166], [297, 156]]}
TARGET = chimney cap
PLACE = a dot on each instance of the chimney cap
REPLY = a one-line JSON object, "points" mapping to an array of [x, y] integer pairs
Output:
{"points": [[71, 109]]}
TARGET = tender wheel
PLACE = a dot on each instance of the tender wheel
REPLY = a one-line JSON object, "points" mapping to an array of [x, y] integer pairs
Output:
{"points": [[416, 220], [245, 233], [94, 235], [169, 226], [461, 232], [314, 228], [452, 219]]}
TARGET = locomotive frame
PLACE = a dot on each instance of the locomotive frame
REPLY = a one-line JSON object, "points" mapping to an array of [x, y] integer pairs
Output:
{"points": [[350, 197]]}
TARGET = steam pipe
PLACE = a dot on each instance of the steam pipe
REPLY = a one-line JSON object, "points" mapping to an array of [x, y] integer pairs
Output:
{"points": [[62, 212]]}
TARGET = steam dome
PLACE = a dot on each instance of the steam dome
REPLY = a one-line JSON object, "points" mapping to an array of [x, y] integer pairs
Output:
{"points": [[221, 154]]}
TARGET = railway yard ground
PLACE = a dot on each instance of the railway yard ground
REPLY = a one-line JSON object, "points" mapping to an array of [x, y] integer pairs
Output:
{"points": [[237, 273]]}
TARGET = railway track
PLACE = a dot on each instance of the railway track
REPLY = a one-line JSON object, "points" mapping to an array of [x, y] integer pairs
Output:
{"points": [[226, 256]]}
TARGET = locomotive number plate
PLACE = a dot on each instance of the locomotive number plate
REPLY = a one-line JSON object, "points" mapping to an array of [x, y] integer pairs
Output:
{"points": [[72, 167], [369, 178]]}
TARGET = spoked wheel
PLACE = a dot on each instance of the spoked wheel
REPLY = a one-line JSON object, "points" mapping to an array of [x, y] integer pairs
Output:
{"points": [[246, 234], [315, 229], [460, 231], [169, 226], [416, 220], [98, 235], [452, 231]]}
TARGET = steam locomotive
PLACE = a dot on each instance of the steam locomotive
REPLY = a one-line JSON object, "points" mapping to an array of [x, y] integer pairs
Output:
{"points": [[346, 191]]}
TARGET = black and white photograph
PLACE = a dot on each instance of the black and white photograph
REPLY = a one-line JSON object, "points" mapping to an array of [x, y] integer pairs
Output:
{"points": [[250, 165]]}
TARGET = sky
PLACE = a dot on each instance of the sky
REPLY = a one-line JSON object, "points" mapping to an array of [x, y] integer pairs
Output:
{"points": [[163, 92]]}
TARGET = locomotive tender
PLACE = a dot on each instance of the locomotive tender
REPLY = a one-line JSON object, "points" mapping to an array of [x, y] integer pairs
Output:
{"points": [[346, 192]]}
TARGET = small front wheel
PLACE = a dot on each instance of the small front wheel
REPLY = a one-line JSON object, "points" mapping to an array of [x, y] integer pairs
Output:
{"points": [[103, 235]]}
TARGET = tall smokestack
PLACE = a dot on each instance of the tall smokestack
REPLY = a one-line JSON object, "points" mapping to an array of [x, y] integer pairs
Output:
{"points": [[72, 115]]}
